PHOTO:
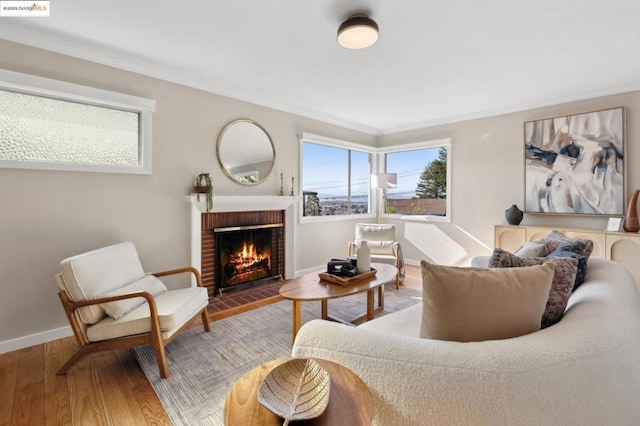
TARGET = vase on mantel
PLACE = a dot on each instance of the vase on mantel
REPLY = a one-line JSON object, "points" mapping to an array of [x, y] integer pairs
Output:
{"points": [[630, 223], [513, 215]]}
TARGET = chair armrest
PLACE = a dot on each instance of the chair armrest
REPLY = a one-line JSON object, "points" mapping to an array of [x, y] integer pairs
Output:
{"points": [[70, 307], [76, 305], [191, 269]]}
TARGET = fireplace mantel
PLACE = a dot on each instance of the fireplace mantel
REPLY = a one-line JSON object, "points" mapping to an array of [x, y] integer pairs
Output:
{"points": [[227, 203]]}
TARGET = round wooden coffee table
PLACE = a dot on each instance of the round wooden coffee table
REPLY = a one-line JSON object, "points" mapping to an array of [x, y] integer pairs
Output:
{"points": [[350, 400]]}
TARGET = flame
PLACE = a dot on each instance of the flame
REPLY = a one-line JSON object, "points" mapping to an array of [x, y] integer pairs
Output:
{"points": [[249, 255]]}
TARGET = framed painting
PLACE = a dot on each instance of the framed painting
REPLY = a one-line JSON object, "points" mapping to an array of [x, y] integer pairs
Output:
{"points": [[575, 164]]}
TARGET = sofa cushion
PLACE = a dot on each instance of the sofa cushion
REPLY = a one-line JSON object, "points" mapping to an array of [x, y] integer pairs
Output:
{"points": [[573, 251], [556, 239], [174, 307], [475, 304], [564, 276], [120, 308], [532, 249], [90, 274]]}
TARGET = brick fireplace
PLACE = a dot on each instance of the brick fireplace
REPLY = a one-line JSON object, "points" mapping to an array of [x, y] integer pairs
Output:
{"points": [[265, 218], [241, 247]]}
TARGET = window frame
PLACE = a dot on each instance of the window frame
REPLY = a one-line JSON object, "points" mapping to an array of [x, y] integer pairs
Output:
{"points": [[336, 143], [428, 144], [60, 90]]}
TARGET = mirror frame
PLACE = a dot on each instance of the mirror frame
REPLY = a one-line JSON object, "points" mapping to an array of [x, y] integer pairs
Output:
{"points": [[224, 168]]}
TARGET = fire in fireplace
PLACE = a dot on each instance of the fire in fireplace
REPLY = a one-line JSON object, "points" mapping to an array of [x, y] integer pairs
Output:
{"points": [[246, 254]]}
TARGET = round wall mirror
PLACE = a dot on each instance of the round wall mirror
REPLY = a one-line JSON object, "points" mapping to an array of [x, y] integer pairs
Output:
{"points": [[245, 152]]}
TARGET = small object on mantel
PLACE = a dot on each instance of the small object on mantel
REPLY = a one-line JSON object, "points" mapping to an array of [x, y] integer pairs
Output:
{"points": [[513, 215], [203, 184]]}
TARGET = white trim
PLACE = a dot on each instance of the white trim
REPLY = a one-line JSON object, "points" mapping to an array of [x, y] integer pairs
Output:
{"points": [[34, 85], [61, 90], [35, 339], [513, 108], [436, 143], [417, 145], [337, 143]]}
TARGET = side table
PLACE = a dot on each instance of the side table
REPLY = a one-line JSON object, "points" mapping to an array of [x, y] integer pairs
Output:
{"points": [[350, 401]]}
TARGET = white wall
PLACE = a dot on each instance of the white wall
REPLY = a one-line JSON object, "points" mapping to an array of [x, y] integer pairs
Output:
{"points": [[46, 216]]}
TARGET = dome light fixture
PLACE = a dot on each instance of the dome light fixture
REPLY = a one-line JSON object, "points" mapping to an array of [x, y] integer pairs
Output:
{"points": [[358, 32]]}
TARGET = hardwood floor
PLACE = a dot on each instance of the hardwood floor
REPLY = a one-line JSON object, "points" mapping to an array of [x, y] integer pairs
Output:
{"points": [[107, 388]]}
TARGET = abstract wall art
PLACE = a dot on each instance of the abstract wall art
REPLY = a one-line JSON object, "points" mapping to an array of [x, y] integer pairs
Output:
{"points": [[574, 164]]}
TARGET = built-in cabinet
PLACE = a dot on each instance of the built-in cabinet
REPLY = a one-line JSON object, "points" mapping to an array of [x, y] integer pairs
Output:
{"points": [[622, 247]]}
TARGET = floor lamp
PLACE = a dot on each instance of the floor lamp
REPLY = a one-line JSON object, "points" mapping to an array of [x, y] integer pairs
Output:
{"points": [[384, 181]]}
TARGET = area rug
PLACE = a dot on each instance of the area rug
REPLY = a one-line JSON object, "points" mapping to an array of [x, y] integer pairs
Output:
{"points": [[204, 366]]}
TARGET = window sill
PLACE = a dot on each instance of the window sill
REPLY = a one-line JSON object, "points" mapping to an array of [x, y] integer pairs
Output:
{"points": [[424, 218]]}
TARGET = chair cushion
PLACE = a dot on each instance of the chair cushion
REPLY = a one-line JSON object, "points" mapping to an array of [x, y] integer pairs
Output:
{"points": [[380, 238], [379, 247], [88, 275], [475, 304], [175, 308], [119, 308]]}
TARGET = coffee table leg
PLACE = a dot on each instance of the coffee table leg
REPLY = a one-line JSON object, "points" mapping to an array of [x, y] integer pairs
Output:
{"points": [[381, 297], [297, 318], [370, 297], [324, 309]]}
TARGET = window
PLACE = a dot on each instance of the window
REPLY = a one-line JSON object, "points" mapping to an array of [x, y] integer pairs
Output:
{"points": [[335, 179], [48, 124], [423, 171]]}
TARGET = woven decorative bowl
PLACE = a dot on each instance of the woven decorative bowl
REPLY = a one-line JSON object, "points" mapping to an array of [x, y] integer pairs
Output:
{"points": [[296, 390]]}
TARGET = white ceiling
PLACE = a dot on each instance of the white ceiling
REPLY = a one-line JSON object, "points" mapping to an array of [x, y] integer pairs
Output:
{"points": [[436, 61]]}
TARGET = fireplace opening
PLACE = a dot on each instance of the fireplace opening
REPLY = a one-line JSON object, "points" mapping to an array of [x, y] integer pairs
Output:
{"points": [[246, 254]]}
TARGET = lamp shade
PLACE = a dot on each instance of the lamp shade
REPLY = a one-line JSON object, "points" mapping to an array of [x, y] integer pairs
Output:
{"points": [[358, 32], [384, 180]]}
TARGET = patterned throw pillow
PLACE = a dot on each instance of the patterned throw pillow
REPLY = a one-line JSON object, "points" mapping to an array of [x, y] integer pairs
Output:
{"points": [[555, 240], [573, 251], [564, 276]]}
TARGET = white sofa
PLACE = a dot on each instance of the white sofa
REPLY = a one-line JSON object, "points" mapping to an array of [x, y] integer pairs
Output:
{"points": [[584, 370]]}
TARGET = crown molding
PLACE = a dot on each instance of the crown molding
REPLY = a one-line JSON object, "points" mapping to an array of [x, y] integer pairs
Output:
{"points": [[18, 31], [30, 35], [514, 108]]}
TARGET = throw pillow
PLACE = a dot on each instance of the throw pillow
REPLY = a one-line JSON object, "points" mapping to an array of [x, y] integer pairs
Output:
{"points": [[120, 308], [556, 239], [574, 252], [474, 304], [532, 249], [564, 277]]}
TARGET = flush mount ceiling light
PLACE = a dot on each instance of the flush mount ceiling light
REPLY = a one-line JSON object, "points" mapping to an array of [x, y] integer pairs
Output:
{"points": [[358, 32]]}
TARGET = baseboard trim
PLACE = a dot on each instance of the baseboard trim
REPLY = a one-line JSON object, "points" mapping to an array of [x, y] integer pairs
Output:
{"points": [[35, 339]]}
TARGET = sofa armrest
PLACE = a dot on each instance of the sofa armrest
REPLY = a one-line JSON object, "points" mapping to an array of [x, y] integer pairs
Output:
{"points": [[410, 379], [191, 269]]}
